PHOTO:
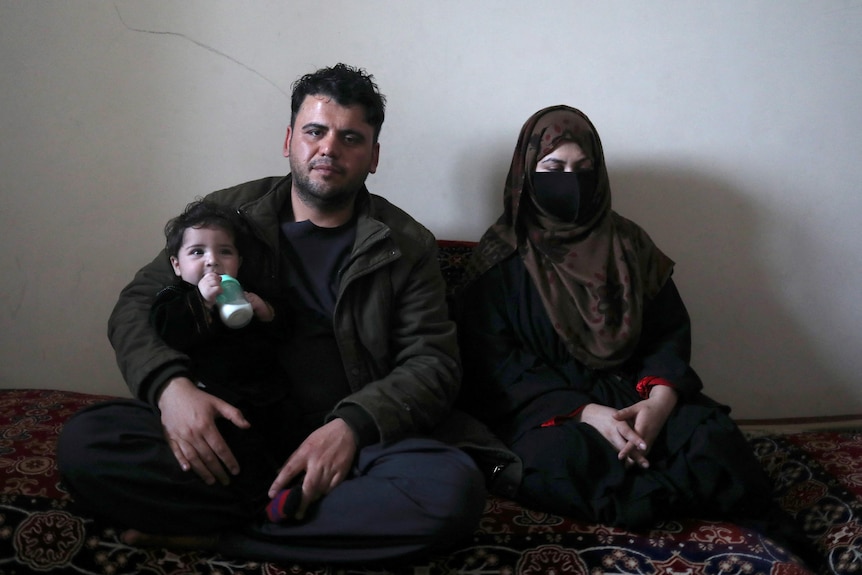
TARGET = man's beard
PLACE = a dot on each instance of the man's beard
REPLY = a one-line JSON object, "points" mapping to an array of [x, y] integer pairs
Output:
{"points": [[322, 197]]}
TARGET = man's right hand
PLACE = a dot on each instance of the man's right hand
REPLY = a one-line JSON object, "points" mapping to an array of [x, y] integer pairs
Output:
{"points": [[188, 419]]}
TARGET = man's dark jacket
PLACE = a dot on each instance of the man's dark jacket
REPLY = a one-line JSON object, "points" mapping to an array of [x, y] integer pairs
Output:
{"points": [[398, 345]]}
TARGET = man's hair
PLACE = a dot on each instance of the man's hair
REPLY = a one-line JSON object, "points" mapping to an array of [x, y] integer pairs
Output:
{"points": [[203, 214], [347, 86]]}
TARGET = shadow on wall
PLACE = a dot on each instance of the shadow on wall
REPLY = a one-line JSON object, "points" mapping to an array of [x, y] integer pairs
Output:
{"points": [[749, 349]]}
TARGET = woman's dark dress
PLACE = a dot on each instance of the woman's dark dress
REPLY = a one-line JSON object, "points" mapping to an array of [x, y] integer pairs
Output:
{"points": [[518, 376]]}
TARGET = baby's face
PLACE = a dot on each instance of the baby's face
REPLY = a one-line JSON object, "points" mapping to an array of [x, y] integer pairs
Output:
{"points": [[204, 250]]}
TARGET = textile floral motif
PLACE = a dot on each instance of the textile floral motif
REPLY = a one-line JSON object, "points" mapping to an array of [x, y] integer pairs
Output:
{"points": [[41, 531], [453, 258], [44, 540], [817, 481], [551, 559]]}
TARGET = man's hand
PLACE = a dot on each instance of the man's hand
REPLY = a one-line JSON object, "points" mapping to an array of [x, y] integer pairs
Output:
{"points": [[326, 457], [648, 417], [619, 432], [188, 418]]}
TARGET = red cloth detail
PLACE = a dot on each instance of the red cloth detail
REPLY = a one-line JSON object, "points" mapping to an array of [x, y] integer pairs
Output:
{"points": [[646, 383], [561, 419], [284, 505]]}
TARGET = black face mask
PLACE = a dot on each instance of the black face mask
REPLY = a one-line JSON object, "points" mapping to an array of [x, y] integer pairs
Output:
{"points": [[566, 196]]}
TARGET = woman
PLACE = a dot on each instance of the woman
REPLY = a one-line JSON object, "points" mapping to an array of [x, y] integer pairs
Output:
{"points": [[576, 349]]}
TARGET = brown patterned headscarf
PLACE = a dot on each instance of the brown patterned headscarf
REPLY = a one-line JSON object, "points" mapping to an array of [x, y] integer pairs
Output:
{"points": [[593, 275]]}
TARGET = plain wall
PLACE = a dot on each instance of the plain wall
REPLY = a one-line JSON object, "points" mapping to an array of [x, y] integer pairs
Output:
{"points": [[731, 130]]}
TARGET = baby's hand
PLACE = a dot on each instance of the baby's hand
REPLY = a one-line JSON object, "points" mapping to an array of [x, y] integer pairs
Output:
{"points": [[262, 310], [210, 287]]}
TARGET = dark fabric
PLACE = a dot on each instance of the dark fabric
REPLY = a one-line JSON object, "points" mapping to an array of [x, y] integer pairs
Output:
{"points": [[312, 260], [700, 465], [312, 361], [116, 462], [237, 365], [412, 496], [317, 256], [398, 345], [397, 368], [561, 194], [407, 498], [519, 374], [593, 274]]}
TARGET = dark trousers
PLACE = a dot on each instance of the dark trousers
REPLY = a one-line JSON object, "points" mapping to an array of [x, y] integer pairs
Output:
{"points": [[406, 498]]}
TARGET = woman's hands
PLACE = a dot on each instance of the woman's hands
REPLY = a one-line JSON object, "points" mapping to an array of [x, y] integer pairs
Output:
{"points": [[647, 417], [633, 430], [619, 433]]}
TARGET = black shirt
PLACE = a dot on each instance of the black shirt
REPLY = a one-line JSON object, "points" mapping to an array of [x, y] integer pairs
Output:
{"points": [[313, 260]]}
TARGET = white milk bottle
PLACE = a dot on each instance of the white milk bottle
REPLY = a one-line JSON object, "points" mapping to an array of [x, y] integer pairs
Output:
{"points": [[235, 311]]}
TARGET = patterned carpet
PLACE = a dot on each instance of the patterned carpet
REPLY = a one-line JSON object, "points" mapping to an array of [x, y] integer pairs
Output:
{"points": [[818, 479]]}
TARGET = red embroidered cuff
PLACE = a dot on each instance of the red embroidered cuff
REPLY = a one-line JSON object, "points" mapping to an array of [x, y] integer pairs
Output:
{"points": [[646, 383]]}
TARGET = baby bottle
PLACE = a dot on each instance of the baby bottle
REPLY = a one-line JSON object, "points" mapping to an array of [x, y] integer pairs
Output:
{"points": [[234, 309]]}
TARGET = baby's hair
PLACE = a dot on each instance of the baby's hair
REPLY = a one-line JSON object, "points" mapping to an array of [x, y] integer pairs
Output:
{"points": [[203, 213]]}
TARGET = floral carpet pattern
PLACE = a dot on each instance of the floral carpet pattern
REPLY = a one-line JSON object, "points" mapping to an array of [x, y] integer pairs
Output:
{"points": [[818, 478]]}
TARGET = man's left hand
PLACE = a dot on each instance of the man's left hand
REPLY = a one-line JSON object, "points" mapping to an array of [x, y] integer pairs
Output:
{"points": [[326, 457]]}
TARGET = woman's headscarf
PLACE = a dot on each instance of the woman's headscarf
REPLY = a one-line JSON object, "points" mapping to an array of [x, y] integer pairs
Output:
{"points": [[593, 275]]}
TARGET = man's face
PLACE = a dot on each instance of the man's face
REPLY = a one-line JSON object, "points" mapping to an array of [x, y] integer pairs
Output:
{"points": [[331, 150]]}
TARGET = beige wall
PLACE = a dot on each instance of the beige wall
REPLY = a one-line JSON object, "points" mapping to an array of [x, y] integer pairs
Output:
{"points": [[732, 132]]}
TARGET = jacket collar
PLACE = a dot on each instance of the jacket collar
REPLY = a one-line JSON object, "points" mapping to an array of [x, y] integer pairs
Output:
{"points": [[265, 212]]}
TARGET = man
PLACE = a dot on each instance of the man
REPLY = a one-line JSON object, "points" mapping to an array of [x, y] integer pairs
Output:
{"points": [[372, 366]]}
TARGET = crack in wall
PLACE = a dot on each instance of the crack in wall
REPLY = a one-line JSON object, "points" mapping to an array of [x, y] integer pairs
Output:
{"points": [[206, 47]]}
